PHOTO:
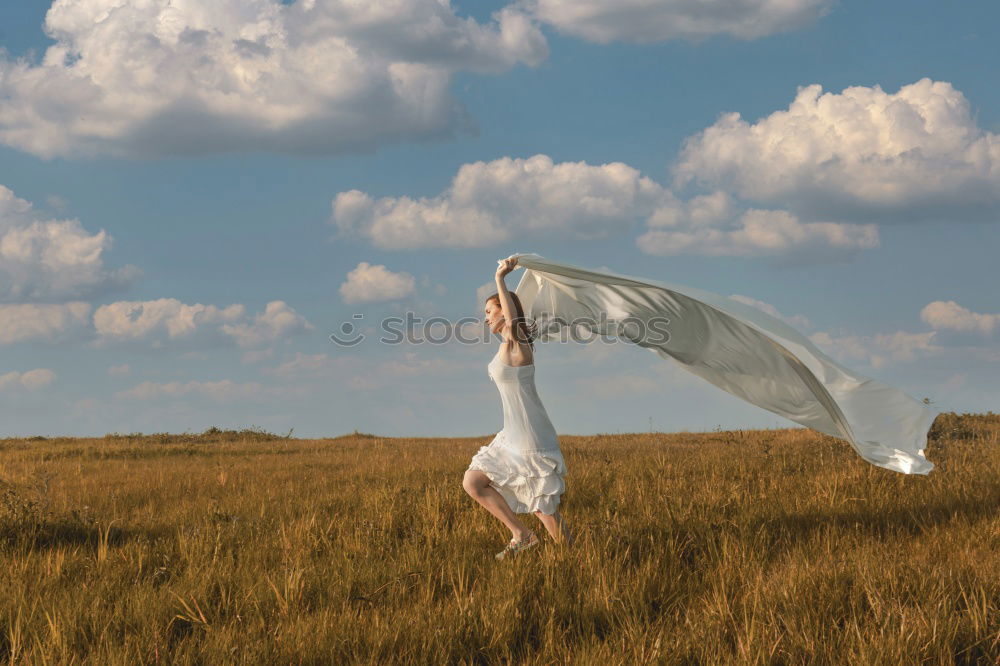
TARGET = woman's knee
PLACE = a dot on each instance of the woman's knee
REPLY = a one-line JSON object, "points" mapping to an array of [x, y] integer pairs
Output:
{"points": [[474, 482]]}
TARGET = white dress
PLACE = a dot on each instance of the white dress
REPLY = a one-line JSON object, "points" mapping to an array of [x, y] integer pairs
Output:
{"points": [[523, 461]]}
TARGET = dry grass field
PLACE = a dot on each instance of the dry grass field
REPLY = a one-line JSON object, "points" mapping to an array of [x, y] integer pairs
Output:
{"points": [[770, 547]]}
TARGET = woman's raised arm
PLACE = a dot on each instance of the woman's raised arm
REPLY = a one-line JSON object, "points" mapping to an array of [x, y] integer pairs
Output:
{"points": [[506, 302]]}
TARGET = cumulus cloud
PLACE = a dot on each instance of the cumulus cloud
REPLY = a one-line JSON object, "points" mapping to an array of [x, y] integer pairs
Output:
{"points": [[52, 260], [950, 316], [278, 321], [365, 374], [50, 322], [761, 233], [12, 209], [225, 390], [122, 370], [860, 154], [32, 380], [167, 319], [490, 202], [644, 21], [311, 366], [158, 77], [368, 283], [251, 356], [164, 317], [880, 349], [805, 184]]}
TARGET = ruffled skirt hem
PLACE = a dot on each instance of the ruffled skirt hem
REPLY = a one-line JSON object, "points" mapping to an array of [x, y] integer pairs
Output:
{"points": [[529, 481]]}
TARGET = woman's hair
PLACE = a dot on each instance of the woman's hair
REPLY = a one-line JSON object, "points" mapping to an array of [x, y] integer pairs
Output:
{"points": [[524, 331]]}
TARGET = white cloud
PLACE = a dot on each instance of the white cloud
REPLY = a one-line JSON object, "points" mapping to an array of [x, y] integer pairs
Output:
{"points": [[36, 321], [225, 390], [645, 21], [52, 260], [168, 319], [312, 366], [701, 211], [359, 373], [491, 202], [905, 346], [950, 316], [843, 346], [878, 350], [156, 77], [164, 317], [32, 380], [12, 209], [796, 321], [367, 283], [278, 321], [902, 346], [860, 154], [122, 370], [256, 355], [429, 286], [763, 233]]}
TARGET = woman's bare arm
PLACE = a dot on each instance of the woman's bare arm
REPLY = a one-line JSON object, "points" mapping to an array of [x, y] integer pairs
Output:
{"points": [[506, 302]]}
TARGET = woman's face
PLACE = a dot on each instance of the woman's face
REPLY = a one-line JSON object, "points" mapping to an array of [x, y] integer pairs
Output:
{"points": [[494, 316]]}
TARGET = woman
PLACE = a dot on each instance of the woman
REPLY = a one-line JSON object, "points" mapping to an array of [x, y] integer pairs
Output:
{"points": [[522, 469]]}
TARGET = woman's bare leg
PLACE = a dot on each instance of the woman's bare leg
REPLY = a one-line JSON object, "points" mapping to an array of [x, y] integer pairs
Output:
{"points": [[556, 526], [477, 484]]}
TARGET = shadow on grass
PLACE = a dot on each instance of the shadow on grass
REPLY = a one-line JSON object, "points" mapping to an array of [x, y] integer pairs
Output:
{"points": [[51, 534], [696, 541], [909, 520]]}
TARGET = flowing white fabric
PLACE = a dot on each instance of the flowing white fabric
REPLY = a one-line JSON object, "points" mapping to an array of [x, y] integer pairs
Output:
{"points": [[523, 461], [738, 348]]}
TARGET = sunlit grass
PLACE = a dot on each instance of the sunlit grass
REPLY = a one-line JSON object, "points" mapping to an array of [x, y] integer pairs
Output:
{"points": [[777, 546]]}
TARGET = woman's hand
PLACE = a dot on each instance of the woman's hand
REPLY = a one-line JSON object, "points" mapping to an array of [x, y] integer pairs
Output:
{"points": [[506, 266]]}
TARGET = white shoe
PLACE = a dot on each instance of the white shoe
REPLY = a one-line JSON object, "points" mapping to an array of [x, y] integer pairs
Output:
{"points": [[515, 547]]}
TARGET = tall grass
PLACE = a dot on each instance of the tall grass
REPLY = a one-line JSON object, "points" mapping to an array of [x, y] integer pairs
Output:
{"points": [[778, 547]]}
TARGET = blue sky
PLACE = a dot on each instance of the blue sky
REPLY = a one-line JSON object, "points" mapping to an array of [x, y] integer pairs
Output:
{"points": [[212, 148]]}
